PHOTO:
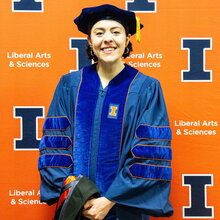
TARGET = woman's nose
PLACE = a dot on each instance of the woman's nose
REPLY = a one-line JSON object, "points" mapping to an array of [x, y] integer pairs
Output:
{"points": [[107, 36]]}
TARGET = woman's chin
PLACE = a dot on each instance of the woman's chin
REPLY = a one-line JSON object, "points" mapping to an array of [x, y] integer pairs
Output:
{"points": [[110, 60]]}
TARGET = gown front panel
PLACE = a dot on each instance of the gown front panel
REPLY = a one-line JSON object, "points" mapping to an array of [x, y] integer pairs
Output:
{"points": [[99, 124]]}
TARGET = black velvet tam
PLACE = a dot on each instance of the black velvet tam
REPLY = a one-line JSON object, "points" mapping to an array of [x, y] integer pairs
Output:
{"points": [[89, 16]]}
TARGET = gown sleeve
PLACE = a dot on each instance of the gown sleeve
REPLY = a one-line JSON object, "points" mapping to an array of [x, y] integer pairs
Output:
{"points": [[143, 180], [55, 161]]}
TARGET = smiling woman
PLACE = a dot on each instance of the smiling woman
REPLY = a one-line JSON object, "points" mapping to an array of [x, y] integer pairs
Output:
{"points": [[112, 109]]}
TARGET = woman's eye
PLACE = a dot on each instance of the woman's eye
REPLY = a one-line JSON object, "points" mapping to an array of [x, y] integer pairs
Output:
{"points": [[99, 33], [116, 32]]}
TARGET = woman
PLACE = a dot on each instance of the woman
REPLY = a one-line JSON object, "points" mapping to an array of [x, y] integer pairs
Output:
{"points": [[109, 122]]}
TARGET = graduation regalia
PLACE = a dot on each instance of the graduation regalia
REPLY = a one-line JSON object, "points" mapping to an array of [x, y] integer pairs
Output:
{"points": [[119, 137]]}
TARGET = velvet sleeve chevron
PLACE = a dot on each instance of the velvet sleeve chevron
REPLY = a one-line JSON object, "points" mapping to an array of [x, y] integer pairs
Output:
{"points": [[143, 181], [55, 162]]}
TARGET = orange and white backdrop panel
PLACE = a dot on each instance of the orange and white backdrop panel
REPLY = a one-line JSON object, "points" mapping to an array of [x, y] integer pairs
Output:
{"points": [[180, 46]]}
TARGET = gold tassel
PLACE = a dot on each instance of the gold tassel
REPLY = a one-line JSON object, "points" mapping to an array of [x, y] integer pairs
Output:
{"points": [[138, 29]]}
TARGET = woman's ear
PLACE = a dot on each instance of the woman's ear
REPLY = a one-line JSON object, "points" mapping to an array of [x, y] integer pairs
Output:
{"points": [[128, 39], [89, 41]]}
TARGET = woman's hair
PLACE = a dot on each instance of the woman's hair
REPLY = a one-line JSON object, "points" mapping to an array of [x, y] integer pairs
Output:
{"points": [[93, 57]]}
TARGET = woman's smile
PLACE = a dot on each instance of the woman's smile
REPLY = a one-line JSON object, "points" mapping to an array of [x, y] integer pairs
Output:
{"points": [[108, 50]]}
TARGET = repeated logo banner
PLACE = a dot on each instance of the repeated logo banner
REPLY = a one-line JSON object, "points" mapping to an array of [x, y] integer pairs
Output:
{"points": [[180, 46]]}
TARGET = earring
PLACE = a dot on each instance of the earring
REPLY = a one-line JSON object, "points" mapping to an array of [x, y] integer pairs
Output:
{"points": [[127, 50]]}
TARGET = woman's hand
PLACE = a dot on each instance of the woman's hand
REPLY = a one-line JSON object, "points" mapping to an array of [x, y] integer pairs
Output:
{"points": [[97, 208]]}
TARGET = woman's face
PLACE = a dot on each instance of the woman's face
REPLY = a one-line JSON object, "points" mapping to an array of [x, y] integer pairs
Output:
{"points": [[108, 40]]}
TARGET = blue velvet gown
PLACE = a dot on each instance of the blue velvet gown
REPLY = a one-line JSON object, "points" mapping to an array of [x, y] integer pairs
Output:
{"points": [[119, 137]]}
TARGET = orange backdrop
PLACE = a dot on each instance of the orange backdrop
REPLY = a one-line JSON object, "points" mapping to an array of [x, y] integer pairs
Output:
{"points": [[43, 37]]}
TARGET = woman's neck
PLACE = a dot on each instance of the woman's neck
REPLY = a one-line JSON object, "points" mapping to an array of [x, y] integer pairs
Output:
{"points": [[107, 71]]}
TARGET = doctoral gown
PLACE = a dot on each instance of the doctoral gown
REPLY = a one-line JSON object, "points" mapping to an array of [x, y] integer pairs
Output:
{"points": [[118, 136]]}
